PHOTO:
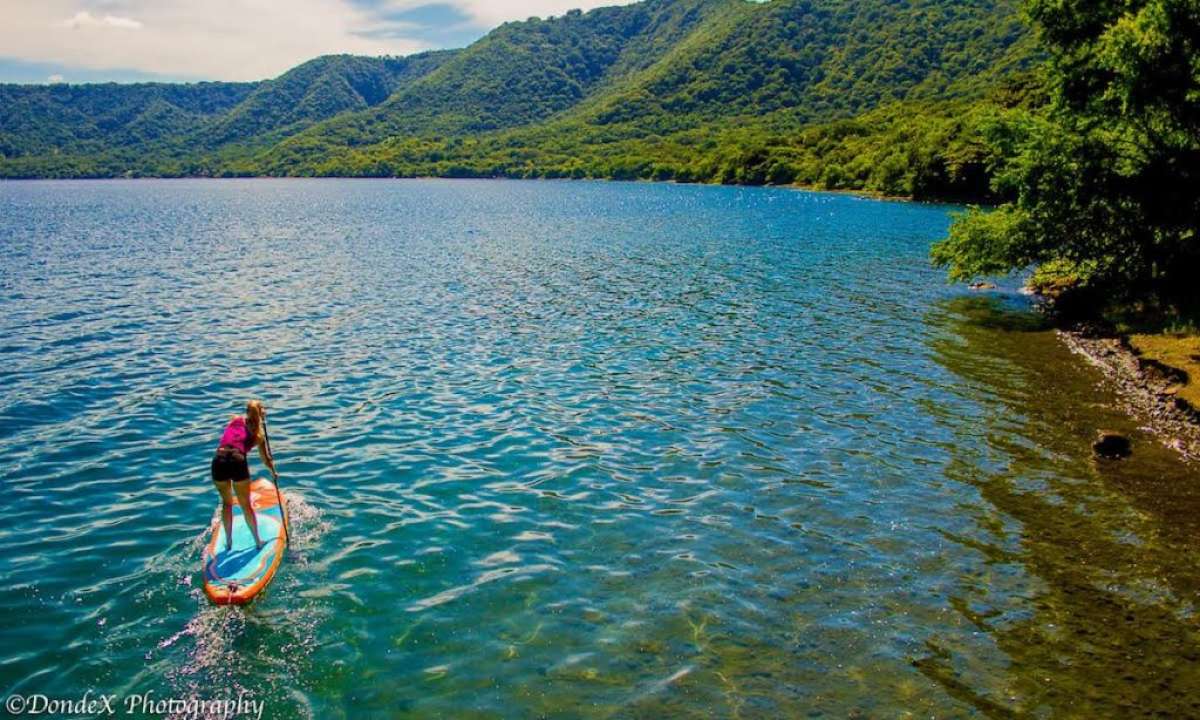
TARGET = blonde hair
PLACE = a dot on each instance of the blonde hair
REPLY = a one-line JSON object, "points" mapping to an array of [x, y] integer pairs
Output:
{"points": [[255, 411]]}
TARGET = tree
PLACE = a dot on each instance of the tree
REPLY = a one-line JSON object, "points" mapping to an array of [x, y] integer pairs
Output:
{"points": [[1105, 179]]}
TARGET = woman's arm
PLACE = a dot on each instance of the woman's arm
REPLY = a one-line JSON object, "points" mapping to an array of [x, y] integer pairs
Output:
{"points": [[267, 459]]}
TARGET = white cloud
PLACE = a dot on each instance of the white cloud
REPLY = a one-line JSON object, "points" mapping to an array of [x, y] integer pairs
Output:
{"points": [[120, 22], [494, 12], [489, 13], [229, 39], [83, 18], [216, 39], [55, 78]]}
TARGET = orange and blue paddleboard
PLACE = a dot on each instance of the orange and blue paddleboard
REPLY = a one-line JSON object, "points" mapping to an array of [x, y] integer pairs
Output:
{"points": [[237, 575]]}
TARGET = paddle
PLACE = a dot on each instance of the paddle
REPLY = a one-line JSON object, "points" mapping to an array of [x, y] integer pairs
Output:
{"points": [[282, 510]]}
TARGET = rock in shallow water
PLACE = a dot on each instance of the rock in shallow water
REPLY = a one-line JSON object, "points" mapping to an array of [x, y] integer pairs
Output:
{"points": [[1112, 445]]}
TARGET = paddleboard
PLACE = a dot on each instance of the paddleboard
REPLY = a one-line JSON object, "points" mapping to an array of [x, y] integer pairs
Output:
{"points": [[237, 575]]}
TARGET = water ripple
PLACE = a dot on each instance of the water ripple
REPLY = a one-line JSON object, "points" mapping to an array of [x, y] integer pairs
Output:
{"points": [[561, 449]]}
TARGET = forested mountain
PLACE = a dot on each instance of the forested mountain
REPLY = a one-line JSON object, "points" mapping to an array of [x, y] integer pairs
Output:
{"points": [[45, 119], [317, 90], [67, 130], [658, 78], [824, 59]]}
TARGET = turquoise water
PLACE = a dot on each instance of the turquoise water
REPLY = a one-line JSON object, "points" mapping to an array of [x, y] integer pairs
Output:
{"points": [[569, 450]]}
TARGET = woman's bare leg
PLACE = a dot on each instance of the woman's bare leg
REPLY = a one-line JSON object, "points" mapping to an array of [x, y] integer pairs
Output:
{"points": [[242, 488], [226, 511]]}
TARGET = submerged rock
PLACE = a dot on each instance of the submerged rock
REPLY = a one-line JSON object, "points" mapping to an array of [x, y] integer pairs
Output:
{"points": [[1112, 445], [982, 286]]}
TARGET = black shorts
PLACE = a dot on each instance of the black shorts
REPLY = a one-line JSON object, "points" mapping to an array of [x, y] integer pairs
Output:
{"points": [[229, 464]]}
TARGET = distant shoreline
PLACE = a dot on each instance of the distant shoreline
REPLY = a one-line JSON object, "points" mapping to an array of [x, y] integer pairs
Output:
{"points": [[863, 193]]}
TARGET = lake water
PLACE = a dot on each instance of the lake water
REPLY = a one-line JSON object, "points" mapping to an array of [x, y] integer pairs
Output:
{"points": [[569, 450]]}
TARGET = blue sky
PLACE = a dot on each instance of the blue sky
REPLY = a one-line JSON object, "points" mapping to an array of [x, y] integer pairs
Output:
{"points": [[177, 40], [440, 24]]}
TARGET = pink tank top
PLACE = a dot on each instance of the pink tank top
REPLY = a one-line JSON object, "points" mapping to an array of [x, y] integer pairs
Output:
{"points": [[236, 435]]}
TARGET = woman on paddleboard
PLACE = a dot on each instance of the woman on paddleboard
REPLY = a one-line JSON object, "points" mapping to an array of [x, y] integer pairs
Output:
{"points": [[229, 466]]}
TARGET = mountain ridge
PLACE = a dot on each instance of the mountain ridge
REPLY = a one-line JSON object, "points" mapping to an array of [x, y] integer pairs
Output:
{"points": [[652, 68]]}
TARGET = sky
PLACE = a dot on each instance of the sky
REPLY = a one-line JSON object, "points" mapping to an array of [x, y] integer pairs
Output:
{"points": [[47, 41]]}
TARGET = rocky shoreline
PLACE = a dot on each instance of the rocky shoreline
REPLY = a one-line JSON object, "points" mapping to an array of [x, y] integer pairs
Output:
{"points": [[1146, 388]]}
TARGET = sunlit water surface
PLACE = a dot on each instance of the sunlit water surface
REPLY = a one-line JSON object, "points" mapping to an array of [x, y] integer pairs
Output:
{"points": [[569, 450]]}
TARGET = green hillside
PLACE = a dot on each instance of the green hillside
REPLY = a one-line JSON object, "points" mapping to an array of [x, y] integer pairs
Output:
{"points": [[825, 59], [39, 120], [640, 90], [519, 74], [317, 90]]}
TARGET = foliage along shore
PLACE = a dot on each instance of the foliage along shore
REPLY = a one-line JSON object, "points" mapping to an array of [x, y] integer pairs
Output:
{"points": [[917, 150], [1103, 181], [1103, 199]]}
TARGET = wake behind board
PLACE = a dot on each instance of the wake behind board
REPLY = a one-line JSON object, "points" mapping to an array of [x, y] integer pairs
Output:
{"points": [[237, 575]]}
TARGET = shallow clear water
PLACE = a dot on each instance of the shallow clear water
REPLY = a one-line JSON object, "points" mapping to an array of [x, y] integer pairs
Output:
{"points": [[569, 450]]}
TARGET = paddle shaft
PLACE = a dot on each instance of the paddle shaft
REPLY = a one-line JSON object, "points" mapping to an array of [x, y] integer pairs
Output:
{"points": [[271, 454]]}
